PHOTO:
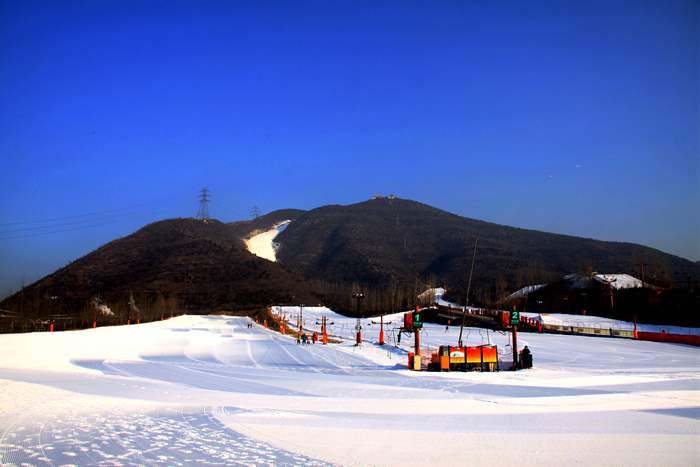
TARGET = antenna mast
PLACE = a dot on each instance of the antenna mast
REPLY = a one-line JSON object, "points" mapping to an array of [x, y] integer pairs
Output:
{"points": [[203, 212]]}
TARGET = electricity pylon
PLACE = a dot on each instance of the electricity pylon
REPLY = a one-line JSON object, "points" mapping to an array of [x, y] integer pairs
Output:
{"points": [[203, 212]]}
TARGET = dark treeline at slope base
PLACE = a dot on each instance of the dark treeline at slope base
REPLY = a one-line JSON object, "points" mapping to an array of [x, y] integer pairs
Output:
{"points": [[391, 250], [653, 304]]}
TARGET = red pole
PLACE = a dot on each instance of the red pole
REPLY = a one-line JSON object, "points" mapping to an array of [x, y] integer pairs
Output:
{"points": [[325, 334], [381, 331]]}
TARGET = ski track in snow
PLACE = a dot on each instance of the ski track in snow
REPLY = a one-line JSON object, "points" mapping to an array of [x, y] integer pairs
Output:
{"points": [[206, 390]]}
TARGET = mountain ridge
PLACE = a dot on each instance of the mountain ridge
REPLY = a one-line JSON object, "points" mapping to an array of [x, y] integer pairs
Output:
{"points": [[374, 240], [388, 248]]}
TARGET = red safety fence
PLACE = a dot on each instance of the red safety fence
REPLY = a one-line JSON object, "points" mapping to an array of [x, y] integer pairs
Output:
{"points": [[672, 338]]}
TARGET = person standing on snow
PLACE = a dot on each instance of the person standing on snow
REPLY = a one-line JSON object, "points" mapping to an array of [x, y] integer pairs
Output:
{"points": [[526, 358]]}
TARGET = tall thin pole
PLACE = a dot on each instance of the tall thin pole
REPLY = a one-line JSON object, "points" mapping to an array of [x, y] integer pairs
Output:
{"points": [[381, 330], [466, 300], [515, 347], [642, 267]]}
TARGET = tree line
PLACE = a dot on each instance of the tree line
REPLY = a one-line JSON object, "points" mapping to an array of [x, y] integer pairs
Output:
{"points": [[35, 310]]}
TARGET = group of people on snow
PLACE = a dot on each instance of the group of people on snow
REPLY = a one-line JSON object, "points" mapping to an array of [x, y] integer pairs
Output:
{"points": [[302, 338]]}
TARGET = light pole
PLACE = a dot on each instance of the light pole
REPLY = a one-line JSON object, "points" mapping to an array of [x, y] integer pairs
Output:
{"points": [[466, 301]]}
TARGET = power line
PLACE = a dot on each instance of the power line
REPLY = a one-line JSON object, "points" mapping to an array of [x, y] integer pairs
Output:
{"points": [[65, 224], [108, 217], [100, 220], [94, 213], [238, 213], [76, 228], [228, 205]]}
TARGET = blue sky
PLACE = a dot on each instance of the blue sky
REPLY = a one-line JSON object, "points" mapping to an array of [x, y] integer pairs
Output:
{"points": [[573, 117]]}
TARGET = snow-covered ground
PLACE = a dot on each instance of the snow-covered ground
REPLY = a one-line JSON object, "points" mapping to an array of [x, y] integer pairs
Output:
{"points": [[264, 244], [209, 390]]}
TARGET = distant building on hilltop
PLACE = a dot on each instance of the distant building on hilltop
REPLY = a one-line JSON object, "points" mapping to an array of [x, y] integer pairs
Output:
{"points": [[378, 197]]}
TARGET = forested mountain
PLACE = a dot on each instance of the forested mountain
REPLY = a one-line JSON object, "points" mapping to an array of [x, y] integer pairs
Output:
{"points": [[390, 249], [387, 244], [171, 266]]}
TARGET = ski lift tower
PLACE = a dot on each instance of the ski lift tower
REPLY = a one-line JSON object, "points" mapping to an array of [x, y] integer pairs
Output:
{"points": [[358, 296], [413, 323]]}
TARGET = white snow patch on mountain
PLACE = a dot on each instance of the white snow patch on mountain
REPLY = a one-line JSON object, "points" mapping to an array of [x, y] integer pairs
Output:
{"points": [[264, 245], [619, 281]]}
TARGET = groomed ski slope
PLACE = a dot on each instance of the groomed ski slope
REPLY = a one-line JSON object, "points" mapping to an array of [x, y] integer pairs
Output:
{"points": [[263, 244], [208, 390]]}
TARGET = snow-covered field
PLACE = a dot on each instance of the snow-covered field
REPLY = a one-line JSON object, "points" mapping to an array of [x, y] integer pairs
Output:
{"points": [[208, 390]]}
